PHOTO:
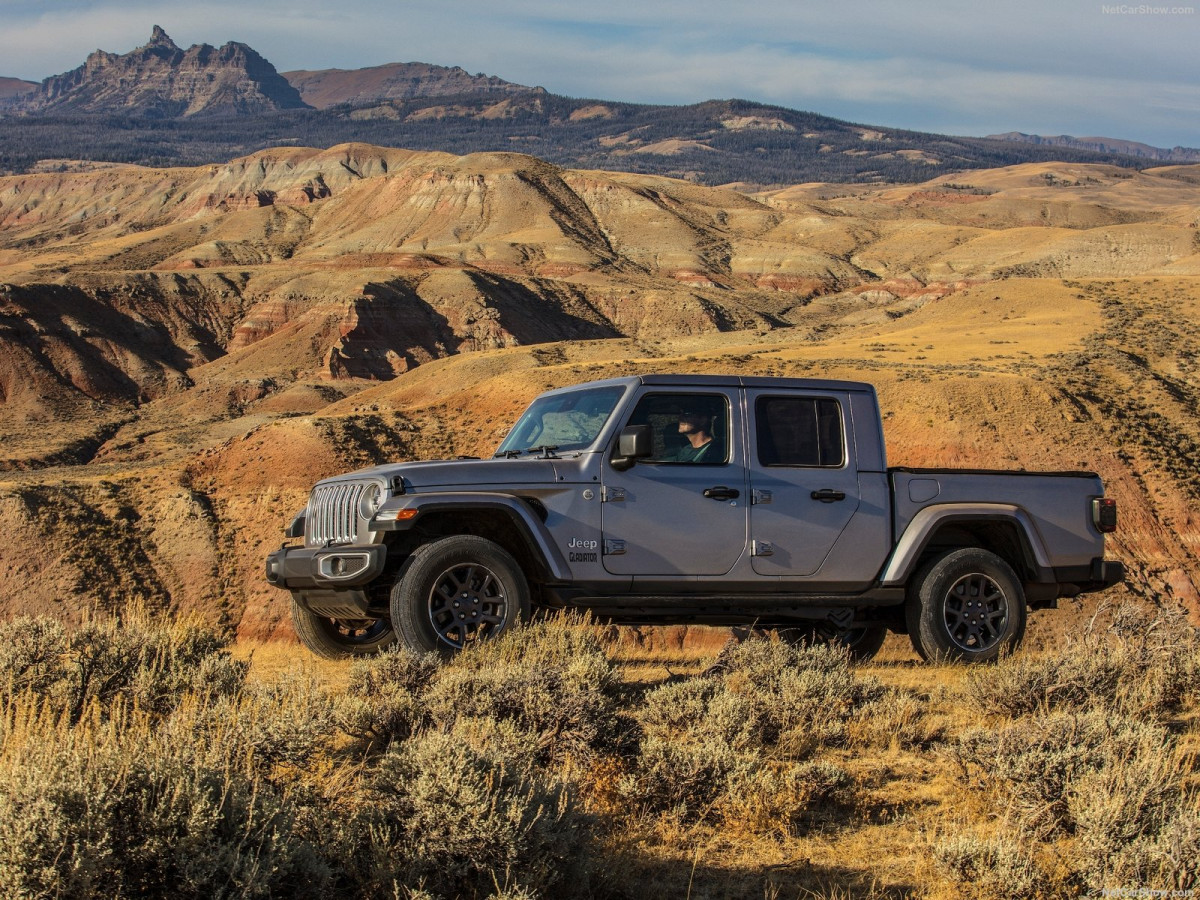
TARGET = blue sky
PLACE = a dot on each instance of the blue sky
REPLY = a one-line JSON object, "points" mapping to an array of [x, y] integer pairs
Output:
{"points": [[1126, 70]]}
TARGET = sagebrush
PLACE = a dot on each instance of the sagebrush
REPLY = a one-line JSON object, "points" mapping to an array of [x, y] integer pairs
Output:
{"points": [[140, 759]]}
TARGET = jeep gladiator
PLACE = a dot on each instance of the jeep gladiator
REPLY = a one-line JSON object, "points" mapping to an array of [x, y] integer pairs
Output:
{"points": [[719, 500]]}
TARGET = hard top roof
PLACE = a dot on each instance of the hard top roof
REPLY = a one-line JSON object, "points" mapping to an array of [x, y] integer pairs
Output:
{"points": [[745, 381]]}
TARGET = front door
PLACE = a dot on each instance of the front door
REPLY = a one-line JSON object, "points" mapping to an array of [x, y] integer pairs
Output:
{"points": [[683, 511], [804, 479]]}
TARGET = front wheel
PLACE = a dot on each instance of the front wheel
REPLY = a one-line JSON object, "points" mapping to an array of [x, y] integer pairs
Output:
{"points": [[458, 591], [966, 605], [340, 638]]}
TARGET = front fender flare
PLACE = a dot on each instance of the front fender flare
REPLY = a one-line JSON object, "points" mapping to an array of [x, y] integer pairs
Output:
{"points": [[527, 524]]}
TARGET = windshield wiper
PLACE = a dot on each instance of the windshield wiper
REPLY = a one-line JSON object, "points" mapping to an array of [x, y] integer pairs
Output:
{"points": [[546, 450]]}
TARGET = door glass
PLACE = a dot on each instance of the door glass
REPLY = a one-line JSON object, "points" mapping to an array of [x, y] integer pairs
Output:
{"points": [[799, 431], [687, 428]]}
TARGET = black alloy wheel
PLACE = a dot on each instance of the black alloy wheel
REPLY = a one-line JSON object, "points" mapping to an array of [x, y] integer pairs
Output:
{"points": [[457, 591], [966, 605]]}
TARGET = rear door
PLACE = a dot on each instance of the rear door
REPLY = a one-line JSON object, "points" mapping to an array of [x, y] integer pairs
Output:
{"points": [[683, 511], [803, 478]]}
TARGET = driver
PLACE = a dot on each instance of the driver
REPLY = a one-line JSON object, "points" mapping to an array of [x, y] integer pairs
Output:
{"points": [[697, 426]]}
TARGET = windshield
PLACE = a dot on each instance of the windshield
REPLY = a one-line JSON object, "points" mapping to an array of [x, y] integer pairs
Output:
{"points": [[568, 421]]}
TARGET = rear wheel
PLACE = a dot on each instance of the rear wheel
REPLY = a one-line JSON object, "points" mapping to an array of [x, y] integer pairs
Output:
{"points": [[966, 605], [340, 638], [458, 591]]}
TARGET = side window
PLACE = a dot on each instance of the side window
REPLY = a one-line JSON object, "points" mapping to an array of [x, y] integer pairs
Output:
{"points": [[799, 431], [687, 428]]}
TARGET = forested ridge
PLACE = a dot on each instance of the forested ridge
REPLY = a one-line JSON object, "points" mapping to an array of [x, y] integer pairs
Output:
{"points": [[715, 142]]}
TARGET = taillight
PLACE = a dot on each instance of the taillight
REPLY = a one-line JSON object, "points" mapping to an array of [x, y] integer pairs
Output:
{"points": [[1104, 514]]}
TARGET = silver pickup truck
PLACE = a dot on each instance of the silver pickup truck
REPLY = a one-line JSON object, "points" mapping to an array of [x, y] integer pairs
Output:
{"points": [[717, 500]]}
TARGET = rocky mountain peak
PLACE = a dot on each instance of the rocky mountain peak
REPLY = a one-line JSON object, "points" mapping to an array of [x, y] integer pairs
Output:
{"points": [[159, 38], [160, 80]]}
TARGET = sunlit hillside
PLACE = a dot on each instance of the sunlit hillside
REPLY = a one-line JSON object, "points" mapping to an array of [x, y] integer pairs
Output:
{"points": [[184, 351]]}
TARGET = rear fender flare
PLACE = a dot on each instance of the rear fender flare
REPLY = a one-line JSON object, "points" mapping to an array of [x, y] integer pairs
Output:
{"points": [[925, 524]]}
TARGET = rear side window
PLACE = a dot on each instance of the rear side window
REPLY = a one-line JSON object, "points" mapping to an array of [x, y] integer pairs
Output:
{"points": [[799, 431]]}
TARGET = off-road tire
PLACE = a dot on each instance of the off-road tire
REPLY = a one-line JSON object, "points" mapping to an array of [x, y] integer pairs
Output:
{"points": [[966, 605], [457, 591], [341, 638], [862, 642]]}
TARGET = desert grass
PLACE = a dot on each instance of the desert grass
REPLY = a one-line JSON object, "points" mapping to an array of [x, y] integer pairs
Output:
{"points": [[143, 758]]}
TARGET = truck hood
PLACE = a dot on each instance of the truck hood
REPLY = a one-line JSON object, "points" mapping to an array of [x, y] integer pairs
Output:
{"points": [[462, 473]]}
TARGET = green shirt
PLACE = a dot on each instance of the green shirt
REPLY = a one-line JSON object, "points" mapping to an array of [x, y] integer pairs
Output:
{"points": [[689, 454]]}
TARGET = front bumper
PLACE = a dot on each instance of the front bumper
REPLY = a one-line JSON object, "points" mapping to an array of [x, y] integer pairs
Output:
{"points": [[328, 568]]}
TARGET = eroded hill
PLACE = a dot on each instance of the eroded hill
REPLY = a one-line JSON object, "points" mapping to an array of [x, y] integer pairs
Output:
{"points": [[183, 351]]}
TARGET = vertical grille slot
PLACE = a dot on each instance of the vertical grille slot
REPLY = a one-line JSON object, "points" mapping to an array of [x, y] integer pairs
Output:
{"points": [[333, 513]]}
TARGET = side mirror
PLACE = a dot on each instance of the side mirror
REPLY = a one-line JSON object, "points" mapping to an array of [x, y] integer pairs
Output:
{"points": [[636, 442]]}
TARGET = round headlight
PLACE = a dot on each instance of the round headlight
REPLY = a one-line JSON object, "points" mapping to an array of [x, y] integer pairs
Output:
{"points": [[370, 502]]}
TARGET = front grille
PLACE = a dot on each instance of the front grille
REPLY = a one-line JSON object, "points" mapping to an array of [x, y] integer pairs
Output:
{"points": [[333, 513]]}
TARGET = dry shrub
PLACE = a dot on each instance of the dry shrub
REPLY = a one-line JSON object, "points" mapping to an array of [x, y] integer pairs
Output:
{"points": [[1171, 861], [470, 796], [110, 807], [1146, 663], [286, 722], [125, 769], [838, 891], [1110, 783], [765, 694], [701, 707], [800, 698], [133, 659], [708, 780], [1039, 764], [1088, 758], [276, 729], [996, 868], [1022, 684], [506, 742], [896, 720], [776, 797], [136, 761], [33, 654], [439, 815], [384, 698], [514, 893], [686, 777], [552, 680], [1134, 827], [734, 744]]}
